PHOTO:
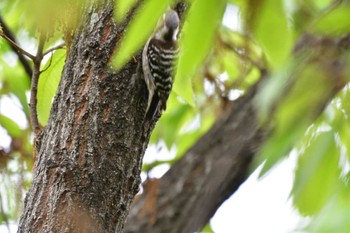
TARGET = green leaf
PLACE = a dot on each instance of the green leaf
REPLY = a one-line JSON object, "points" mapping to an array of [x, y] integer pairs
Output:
{"points": [[199, 30], [317, 174], [11, 126], [321, 4], [207, 229], [48, 83], [176, 116], [335, 216], [344, 136], [277, 147], [187, 140], [19, 84], [47, 15], [140, 28], [122, 7], [271, 31], [337, 117], [174, 121], [334, 23], [295, 111]]}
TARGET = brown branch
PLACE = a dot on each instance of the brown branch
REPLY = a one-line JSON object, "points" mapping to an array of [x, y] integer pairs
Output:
{"points": [[60, 46], [189, 194], [11, 37], [16, 47], [34, 86]]}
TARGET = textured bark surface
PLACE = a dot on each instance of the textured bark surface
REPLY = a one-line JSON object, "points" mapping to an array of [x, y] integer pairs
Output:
{"points": [[89, 155], [187, 196]]}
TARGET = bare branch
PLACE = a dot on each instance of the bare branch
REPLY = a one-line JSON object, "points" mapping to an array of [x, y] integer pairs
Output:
{"points": [[9, 34], [17, 47], [60, 46]]}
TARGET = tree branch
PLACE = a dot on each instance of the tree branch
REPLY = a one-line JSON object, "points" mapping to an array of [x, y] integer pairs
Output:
{"points": [[10, 38], [60, 46], [189, 194], [34, 86]]}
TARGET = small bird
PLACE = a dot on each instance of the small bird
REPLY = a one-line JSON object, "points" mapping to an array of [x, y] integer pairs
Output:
{"points": [[158, 58]]}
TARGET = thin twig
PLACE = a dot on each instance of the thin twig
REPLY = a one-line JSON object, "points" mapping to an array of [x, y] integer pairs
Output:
{"points": [[34, 86], [17, 47], [7, 31], [60, 46], [50, 62]]}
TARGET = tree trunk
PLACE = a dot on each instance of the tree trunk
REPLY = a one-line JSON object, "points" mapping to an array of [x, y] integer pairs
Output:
{"points": [[89, 156]]}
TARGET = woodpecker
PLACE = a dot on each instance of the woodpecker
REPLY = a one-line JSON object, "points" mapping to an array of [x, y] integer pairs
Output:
{"points": [[158, 57]]}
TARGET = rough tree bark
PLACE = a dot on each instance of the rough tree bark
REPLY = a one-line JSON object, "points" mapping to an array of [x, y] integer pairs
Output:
{"points": [[89, 155]]}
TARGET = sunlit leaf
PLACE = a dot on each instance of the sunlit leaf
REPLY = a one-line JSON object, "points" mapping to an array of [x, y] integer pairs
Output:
{"points": [[334, 23], [122, 7], [334, 217], [11, 126], [231, 65], [321, 4], [338, 118], [272, 32], [174, 121], [18, 83], [317, 174], [198, 34], [47, 15], [48, 83], [208, 229], [141, 26], [171, 122], [295, 112], [187, 140]]}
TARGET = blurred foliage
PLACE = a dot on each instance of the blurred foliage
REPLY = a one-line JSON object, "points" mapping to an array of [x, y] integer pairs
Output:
{"points": [[138, 31], [217, 64], [207, 229]]}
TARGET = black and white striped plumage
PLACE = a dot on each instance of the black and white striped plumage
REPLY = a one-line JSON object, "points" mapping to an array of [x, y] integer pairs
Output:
{"points": [[158, 63]]}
